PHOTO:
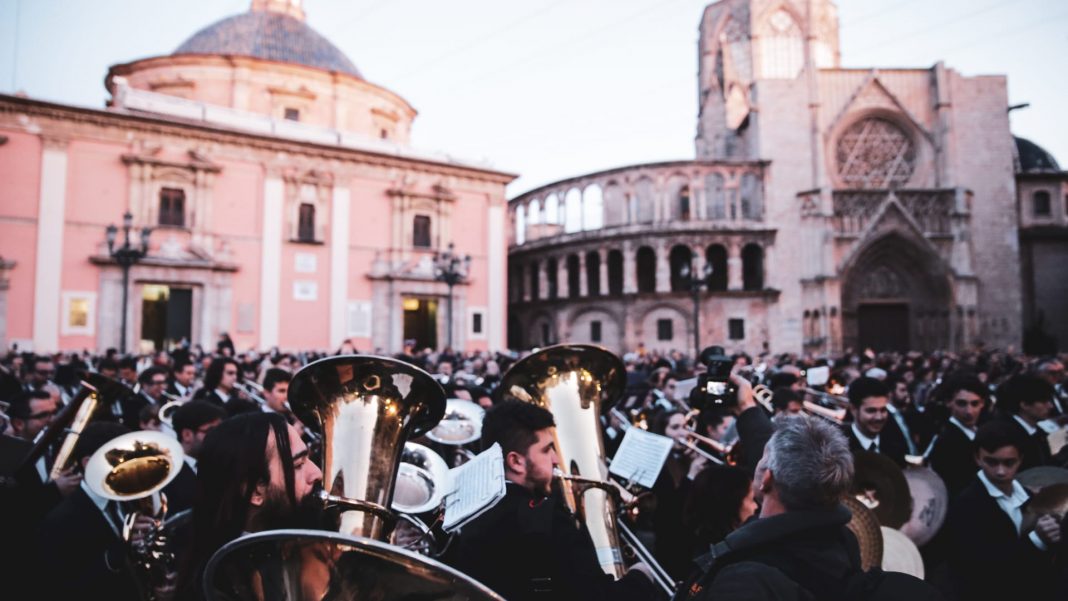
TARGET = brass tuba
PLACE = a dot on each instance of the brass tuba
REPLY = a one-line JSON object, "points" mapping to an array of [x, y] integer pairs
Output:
{"points": [[133, 469], [366, 408], [571, 381], [97, 394]]}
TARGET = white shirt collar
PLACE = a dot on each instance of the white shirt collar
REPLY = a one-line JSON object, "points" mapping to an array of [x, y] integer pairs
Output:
{"points": [[1026, 426], [191, 462], [967, 431], [222, 395], [892, 409], [97, 500], [865, 442]]}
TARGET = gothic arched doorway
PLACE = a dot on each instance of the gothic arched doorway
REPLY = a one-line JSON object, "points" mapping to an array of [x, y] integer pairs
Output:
{"points": [[896, 297]]}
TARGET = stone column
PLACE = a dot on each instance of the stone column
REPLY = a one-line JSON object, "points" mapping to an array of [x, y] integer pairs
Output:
{"points": [[630, 268], [663, 267], [603, 275], [496, 331], [339, 265], [734, 264], [543, 279], [561, 277], [51, 208], [270, 260], [583, 288]]}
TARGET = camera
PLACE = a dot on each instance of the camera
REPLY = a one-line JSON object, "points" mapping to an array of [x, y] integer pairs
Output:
{"points": [[714, 388]]}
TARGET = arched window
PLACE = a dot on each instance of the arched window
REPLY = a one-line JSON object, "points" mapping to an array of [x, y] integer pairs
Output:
{"points": [[752, 267], [646, 269], [715, 199], [781, 47], [752, 203], [592, 208], [573, 211], [552, 209], [875, 153], [573, 276], [520, 225], [593, 273], [716, 255], [615, 272], [1041, 203], [680, 260], [550, 276], [684, 203], [645, 201], [535, 293], [534, 212]]}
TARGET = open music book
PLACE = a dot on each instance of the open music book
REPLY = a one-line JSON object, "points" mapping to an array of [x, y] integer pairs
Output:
{"points": [[474, 487], [640, 457]]}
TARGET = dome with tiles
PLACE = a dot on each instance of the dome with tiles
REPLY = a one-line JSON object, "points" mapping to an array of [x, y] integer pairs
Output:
{"points": [[270, 33]]}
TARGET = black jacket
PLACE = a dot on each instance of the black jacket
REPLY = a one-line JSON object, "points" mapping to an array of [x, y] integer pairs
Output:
{"points": [[953, 458], [528, 549], [85, 557], [754, 429], [891, 441], [793, 556], [987, 558], [1035, 446], [181, 491]]}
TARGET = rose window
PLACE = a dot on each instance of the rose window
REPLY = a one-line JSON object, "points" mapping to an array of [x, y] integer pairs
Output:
{"points": [[875, 153]]}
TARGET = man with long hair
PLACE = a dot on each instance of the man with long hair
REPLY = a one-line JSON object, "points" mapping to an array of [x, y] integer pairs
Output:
{"points": [[220, 387], [253, 474]]}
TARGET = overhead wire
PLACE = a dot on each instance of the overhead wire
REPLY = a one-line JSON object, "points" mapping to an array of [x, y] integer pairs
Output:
{"points": [[935, 26]]}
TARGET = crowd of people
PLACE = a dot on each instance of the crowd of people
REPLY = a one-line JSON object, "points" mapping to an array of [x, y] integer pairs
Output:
{"points": [[751, 488]]}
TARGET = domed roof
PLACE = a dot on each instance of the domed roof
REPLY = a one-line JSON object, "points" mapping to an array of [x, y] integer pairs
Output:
{"points": [[1033, 157], [270, 36]]}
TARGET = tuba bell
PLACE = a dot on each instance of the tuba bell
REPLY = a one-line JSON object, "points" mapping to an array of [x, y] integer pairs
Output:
{"points": [[365, 408], [571, 381], [133, 469]]}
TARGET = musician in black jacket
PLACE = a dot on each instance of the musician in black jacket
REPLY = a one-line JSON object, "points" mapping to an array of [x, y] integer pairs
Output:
{"points": [[192, 422], [528, 546], [996, 551], [1024, 400], [220, 387], [953, 454], [868, 398]]}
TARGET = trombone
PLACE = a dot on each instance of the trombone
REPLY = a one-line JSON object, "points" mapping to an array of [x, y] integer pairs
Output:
{"points": [[835, 415]]}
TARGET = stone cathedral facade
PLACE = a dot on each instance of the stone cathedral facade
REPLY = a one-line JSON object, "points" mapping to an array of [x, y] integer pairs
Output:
{"points": [[826, 208]]}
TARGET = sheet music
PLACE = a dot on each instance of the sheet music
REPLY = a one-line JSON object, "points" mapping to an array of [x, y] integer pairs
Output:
{"points": [[641, 456], [476, 486]]}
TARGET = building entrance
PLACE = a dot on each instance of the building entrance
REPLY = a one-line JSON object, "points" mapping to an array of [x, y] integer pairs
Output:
{"points": [[883, 327], [166, 316], [421, 322]]}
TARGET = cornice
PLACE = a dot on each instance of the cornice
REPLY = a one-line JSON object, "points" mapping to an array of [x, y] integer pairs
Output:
{"points": [[126, 123]]}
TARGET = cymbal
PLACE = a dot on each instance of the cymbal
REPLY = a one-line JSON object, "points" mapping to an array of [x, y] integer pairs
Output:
{"points": [[1037, 478], [880, 484], [311, 565], [865, 527], [1051, 500], [930, 501], [900, 554]]}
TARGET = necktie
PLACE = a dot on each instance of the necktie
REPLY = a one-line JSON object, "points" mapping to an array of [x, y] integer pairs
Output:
{"points": [[874, 448]]}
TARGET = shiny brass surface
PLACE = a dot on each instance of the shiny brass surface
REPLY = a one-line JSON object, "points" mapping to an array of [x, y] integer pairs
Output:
{"points": [[307, 565], [572, 381], [365, 408], [461, 425], [97, 392], [865, 527], [421, 480]]}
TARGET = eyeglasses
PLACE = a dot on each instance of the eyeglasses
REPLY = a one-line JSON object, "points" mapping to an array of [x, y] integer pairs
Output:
{"points": [[159, 382], [43, 414]]}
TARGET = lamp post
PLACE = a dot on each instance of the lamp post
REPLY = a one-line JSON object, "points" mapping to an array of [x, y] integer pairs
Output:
{"points": [[695, 284], [452, 269], [126, 256]]}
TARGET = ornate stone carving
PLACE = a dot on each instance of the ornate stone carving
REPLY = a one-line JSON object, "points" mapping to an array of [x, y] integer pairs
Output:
{"points": [[875, 153], [881, 282]]}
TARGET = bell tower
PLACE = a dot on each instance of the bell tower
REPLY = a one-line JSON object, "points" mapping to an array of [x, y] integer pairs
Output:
{"points": [[746, 42]]}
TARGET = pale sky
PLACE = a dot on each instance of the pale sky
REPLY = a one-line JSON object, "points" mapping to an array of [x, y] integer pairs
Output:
{"points": [[550, 88]]}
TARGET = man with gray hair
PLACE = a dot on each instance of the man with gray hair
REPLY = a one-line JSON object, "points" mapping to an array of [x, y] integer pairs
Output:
{"points": [[800, 547]]}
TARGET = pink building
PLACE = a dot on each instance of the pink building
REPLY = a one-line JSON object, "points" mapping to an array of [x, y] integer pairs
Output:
{"points": [[287, 206]]}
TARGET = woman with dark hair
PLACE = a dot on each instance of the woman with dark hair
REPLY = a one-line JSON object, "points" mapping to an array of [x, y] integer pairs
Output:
{"points": [[720, 500], [253, 474], [673, 540]]}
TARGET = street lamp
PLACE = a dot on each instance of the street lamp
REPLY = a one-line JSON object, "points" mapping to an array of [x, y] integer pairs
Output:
{"points": [[452, 269], [695, 285], [126, 256]]}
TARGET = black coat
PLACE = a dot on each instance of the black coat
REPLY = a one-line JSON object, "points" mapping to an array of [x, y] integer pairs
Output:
{"points": [[953, 458], [1035, 446], [674, 541], [891, 441], [793, 556], [523, 545], [987, 558], [235, 405], [85, 557], [181, 491]]}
